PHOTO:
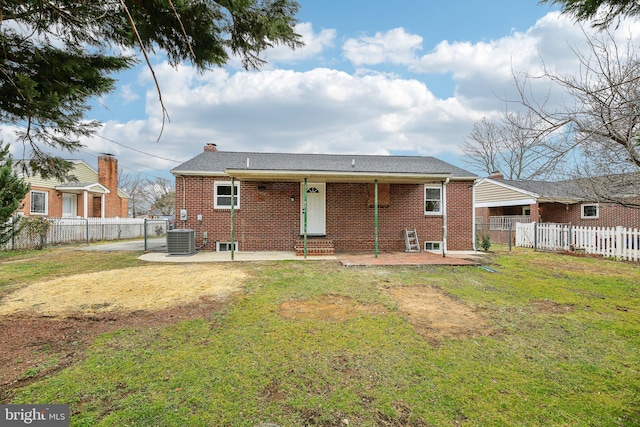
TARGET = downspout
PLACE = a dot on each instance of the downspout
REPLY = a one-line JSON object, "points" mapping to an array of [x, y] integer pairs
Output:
{"points": [[304, 216], [184, 193], [184, 197], [233, 202], [375, 217], [444, 217]]}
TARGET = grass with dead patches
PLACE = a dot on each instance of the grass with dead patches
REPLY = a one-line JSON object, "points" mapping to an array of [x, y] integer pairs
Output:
{"points": [[23, 267], [564, 352]]}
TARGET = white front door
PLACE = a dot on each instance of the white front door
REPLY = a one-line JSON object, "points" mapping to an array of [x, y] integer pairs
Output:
{"points": [[316, 209], [69, 205]]}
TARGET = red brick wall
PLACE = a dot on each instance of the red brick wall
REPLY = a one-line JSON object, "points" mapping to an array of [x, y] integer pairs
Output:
{"points": [[269, 220], [460, 220], [54, 203], [266, 220], [610, 215]]}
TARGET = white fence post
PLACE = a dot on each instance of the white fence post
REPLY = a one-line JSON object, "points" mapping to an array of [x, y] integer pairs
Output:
{"points": [[619, 242]]}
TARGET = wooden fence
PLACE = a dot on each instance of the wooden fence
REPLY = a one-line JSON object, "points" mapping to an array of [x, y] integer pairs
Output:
{"points": [[616, 242], [86, 230]]}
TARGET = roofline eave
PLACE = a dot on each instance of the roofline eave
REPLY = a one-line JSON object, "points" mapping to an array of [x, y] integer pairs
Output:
{"points": [[186, 172], [333, 176], [336, 176], [87, 188]]}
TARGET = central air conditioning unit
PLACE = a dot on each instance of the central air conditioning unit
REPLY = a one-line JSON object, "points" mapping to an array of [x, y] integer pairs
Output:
{"points": [[181, 242]]}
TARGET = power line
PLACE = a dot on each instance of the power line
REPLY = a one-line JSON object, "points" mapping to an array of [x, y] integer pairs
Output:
{"points": [[138, 151], [134, 169]]}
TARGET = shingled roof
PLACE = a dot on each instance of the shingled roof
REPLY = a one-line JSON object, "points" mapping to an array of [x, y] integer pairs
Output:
{"points": [[293, 164]]}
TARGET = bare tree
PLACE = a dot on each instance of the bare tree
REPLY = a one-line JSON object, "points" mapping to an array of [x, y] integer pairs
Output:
{"points": [[134, 186], [512, 144], [160, 195], [598, 121], [482, 146]]}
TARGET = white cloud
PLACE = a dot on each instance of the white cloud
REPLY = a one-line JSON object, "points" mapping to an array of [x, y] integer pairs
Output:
{"points": [[127, 94], [327, 110], [395, 46], [321, 110], [314, 45]]}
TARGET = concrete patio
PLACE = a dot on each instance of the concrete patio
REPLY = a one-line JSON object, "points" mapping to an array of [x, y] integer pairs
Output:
{"points": [[392, 258]]}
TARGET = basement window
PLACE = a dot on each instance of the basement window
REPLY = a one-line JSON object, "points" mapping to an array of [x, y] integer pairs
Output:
{"points": [[432, 246], [226, 246]]}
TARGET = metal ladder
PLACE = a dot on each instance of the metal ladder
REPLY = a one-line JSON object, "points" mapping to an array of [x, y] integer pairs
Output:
{"points": [[411, 240]]}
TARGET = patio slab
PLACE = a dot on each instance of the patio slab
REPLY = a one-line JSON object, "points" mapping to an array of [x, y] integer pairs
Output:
{"points": [[211, 256], [394, 258], [410, 258]]}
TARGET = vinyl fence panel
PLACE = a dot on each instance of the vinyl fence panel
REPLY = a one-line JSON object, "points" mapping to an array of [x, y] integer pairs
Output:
{"points": [[615, 242]]}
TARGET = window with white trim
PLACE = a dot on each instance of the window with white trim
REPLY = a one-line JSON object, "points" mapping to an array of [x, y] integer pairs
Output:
{"points": [[591, 211], [226, 246], [222, 195], [39, 202], [432, 246], [432, 200]]}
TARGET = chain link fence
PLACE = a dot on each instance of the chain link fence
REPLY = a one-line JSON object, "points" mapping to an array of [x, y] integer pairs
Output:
{"points": [[488, 234]]}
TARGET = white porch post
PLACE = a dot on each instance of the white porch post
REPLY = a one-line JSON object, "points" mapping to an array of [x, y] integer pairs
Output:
{"points": [[102, 207], [473, 216], [85, 202]]}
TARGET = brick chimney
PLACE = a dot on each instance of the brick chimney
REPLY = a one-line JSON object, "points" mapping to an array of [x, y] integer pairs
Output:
{"points": [[108, 176], [211, 147], [496, 175]]}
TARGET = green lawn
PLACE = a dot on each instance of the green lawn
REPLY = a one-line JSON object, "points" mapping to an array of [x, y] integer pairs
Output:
{"points": [[565, 351]]}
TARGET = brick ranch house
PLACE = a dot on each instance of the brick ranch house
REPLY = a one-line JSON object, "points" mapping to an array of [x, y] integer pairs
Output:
{"points": [[499, 202], [421, 193], [92, 194]]}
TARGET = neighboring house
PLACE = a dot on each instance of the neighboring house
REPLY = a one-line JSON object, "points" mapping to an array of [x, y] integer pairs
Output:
{"points": [[499, 202], [421, 193], [93, 194]]}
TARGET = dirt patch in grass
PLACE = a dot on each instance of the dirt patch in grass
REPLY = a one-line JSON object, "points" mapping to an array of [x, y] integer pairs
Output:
{"points": [[435, 315], [124, 290], [329, 308], [35, 347], [47, 326], [548, 306]]}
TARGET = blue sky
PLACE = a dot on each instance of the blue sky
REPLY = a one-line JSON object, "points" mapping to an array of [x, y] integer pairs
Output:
{"points": [[375, 77]]}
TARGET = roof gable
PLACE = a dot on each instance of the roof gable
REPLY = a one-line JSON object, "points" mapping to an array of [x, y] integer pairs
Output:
{"points": [[491, 192], [80, 170]]}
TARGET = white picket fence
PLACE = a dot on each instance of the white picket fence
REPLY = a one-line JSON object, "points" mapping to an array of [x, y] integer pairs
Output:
{"points": [[616, 242], [85, 230]]}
